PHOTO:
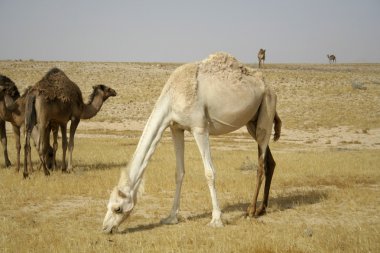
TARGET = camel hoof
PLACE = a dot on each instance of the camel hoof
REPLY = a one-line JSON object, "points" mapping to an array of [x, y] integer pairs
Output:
{"points": [[250, 212], [217, 223], [47, 173], [170, 220], [8, 164], [260, 212], [26, 175]]}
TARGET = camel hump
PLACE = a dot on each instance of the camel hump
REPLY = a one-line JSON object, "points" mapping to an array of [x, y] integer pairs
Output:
{"points": [[220, 61], [56, 85], [223, 66], [10, 87]]}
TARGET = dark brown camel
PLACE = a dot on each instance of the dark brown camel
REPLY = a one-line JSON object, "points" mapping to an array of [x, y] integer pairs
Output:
{"points": [[14, 113], [261, 57], [12, 94], [57, 100], [332, 58]]}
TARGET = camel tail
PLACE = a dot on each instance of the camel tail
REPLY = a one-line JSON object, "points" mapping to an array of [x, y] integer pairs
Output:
{"points": [[30, 122], [30, 113], [277, 127]]}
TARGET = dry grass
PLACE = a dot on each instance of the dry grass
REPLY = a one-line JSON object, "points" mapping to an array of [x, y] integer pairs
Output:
{"points": [[324, 198]]}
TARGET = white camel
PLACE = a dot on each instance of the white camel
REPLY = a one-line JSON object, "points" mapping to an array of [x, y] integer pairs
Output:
{"points": [[215, 96]]}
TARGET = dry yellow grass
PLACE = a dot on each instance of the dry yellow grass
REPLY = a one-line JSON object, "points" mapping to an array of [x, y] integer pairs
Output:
{"points": [[324, 198]]}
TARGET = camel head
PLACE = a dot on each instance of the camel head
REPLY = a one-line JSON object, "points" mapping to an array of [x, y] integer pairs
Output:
{"points": [[6, 94], [120, 206], [104, 90]]}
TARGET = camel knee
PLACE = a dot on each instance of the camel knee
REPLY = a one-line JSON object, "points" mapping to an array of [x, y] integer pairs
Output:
{"points": [[55, 146], [210, 177], [4, 142], [27, 148], [260, 169], [179, 176]]}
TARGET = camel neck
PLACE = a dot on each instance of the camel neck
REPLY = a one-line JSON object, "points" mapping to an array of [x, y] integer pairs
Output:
{"points": [[157, 123], [92, 108]]}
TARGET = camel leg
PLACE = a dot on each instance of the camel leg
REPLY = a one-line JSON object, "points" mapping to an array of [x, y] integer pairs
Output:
{"points": [[28, 157], [64, 147], [201, 138], [55, 145], [3, 135], [16, 131], [73, 128], [27, 150], [259, 178], [262, 135], [42, 145], [269, 166], [179, 148]]}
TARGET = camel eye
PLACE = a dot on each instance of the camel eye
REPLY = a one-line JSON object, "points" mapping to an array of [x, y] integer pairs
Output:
{"points": [[118, 210]]}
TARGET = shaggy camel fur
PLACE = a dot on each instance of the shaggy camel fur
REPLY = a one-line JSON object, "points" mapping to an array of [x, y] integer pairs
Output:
{"points": [[12, 94], [216, 96], [332, 58], [56, 101], [261, 57]]}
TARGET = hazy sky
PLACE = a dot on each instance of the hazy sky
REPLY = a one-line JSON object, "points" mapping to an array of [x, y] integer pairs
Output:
{"points": [[293, 31]]}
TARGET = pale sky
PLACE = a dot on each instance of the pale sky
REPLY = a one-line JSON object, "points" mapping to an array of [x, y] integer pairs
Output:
{"points": [[292, 31]]}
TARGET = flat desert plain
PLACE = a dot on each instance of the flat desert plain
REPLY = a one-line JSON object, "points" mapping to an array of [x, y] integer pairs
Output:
{"points": [[325, 194]]}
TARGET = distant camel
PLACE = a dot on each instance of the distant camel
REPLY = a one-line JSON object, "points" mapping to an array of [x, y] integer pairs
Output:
{"points": [[12, 94], [15, 114], [332, 58], [261, 57], [58, 100], [216, 96]]}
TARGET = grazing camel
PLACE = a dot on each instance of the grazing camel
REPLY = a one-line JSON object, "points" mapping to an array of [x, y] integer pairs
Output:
{"points": [[215, 96], [261, 57], [15, 114], [12, 94], [56, 101], [332, 58]]}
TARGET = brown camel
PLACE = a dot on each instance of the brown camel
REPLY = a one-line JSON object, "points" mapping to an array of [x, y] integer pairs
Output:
{"points": [[12, 94], [14, 113], [57, 100], [332, 58], [261, 57]]}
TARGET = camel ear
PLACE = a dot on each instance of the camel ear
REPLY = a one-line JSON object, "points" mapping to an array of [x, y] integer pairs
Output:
{"points": [[121, 194], [127, 204]]}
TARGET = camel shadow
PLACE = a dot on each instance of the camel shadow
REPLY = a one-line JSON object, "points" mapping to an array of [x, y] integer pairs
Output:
{"points": [[277, 204], [284, 201], [99, 166], [141, 228], [85, 167]]}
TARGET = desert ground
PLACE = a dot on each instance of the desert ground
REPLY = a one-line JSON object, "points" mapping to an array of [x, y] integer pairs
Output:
{"points": [[325, 194]]}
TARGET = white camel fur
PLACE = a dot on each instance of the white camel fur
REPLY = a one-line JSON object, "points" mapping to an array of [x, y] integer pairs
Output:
{"points": [[215, 96]]}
